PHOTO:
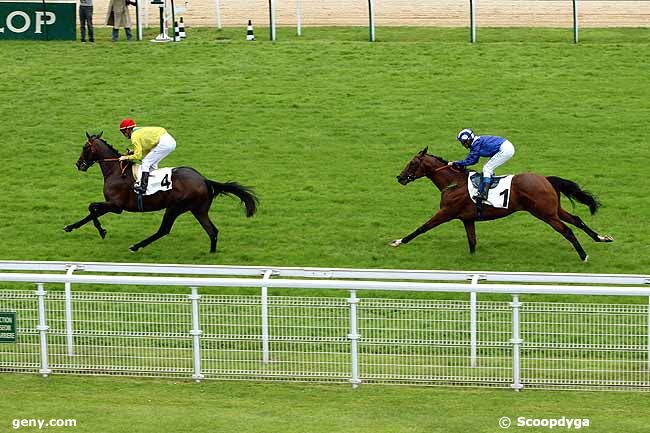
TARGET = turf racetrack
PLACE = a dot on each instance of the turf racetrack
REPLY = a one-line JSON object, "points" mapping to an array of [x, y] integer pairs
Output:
{"points": [[320, 126]]}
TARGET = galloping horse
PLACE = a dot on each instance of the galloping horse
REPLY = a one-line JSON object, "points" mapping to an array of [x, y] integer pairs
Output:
{"points": [[190, 192], [530, 192]]}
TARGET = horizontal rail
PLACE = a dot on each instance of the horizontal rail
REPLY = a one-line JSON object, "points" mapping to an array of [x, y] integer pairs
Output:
{"points": [[326, 284], [327, 273]]}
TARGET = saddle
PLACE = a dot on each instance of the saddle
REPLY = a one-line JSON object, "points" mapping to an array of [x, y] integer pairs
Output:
{"points": [[476, 180]]}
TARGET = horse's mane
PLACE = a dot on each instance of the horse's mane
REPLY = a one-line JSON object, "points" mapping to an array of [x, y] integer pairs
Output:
{"points": [[115, 151], [444, 161]]}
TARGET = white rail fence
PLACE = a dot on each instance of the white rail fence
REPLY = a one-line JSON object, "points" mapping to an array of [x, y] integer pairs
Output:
{"points": [[354, 339]]}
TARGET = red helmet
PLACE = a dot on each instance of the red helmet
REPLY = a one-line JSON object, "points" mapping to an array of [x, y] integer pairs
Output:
{"points": [[126, 124]]}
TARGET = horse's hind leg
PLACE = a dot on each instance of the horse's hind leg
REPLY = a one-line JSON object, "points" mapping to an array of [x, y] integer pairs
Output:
{"points": [[565, 231], [165, 227], [577, 221], [204, 219]]}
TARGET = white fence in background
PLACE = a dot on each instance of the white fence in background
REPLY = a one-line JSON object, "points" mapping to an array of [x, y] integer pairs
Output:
{"points": [[354, 339]]}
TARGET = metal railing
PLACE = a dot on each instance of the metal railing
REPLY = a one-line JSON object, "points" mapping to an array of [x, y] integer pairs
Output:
{"points": [[357, 339]]}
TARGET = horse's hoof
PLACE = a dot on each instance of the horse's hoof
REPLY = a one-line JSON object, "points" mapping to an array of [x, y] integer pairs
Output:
{"points": [[586, 258], [102, 233], [605, 238], [67, 229], [396, 243], [133, 248]]}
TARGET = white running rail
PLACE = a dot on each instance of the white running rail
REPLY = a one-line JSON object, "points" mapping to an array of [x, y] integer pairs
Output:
{"points": [[514, 340]]}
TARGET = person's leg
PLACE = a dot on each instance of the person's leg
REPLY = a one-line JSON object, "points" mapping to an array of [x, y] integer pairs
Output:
{"points": [[116, 33], [89, 18], [506, 152], [82, 23], [165, 146], [127, 30]]}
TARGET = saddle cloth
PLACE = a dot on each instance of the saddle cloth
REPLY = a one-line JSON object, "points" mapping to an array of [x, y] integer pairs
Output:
{"points": [[159, 180], [499, 193]]}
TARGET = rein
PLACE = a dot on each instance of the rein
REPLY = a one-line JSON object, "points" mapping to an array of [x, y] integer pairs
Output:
{"points": [[123, 165], [448, 166]]}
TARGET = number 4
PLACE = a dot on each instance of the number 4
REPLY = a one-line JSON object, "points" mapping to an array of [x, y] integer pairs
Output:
{"points": [[165, 181]]}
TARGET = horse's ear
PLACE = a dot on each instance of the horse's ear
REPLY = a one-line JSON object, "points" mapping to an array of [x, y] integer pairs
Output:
{"points": [[87, 135], [424, 151], [100, 134]]}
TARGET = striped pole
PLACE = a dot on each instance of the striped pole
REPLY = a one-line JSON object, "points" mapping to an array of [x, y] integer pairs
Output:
{"points": [[181, 29], [249, 32]]}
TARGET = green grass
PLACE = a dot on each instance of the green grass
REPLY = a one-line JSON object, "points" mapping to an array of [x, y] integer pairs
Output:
{"points": [[137, 405], [320, 126]]}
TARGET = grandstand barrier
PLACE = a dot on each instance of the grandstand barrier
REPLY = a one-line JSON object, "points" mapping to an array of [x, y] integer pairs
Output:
{"points": [[361, 338]]}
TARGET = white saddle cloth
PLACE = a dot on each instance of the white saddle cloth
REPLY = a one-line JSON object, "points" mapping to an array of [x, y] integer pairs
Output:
{"points": [[498, 196], [159, 180]]}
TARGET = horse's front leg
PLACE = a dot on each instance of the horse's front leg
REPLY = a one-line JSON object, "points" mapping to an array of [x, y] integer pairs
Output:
{"points": [[95, 211], [442, 216], [470, 229]]}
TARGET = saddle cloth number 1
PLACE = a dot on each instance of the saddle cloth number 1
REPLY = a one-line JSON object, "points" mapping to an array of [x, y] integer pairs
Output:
{"points": [[498, 196]]}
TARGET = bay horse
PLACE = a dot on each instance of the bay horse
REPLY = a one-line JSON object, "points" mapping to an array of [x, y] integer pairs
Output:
{"points": [[191, 192], [539, 195]]}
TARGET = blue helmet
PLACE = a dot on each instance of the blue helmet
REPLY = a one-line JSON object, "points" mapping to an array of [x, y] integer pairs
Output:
{"points": [[466, 136]]}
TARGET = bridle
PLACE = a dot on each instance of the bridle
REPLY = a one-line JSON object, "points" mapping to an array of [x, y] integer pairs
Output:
{"points": [[86, 165]]}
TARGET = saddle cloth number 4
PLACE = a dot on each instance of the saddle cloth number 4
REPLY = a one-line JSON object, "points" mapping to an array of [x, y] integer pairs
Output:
{"points": [[159, 180]]}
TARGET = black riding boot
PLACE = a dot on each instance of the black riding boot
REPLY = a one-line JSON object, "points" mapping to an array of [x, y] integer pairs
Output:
{"points": [[483, 190], [142, 189]]}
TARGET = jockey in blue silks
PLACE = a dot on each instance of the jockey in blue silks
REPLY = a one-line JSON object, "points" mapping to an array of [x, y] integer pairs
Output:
{"points": [[497, 148]]}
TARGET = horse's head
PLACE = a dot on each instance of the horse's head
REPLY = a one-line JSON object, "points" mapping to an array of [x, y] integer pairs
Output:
{"points": [[415, 169], [94, 150]]}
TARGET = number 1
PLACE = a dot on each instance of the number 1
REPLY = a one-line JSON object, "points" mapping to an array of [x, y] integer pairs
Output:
{"points": [[505, 197]]}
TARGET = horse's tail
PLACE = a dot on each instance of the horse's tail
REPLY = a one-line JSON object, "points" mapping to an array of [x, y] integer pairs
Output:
{"points": [[573, 191], [244, 193]]}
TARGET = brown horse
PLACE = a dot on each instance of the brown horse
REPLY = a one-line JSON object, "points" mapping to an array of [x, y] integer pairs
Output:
{"points": [[190, 192], [530, 192]]}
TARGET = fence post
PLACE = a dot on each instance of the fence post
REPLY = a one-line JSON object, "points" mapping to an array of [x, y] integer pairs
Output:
{"points": [[516, 345], [648, 332], [354, 339], [217, 6], [472, 21], [196, 332], [299, 18], [272, 19], [371, 24], [575, 21], [68, 311], [265, 318], [472, 320], [42, 328]]}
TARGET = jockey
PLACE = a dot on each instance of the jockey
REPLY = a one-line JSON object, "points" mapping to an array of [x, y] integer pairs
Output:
{"points": [[497, 148], [150, 145]]}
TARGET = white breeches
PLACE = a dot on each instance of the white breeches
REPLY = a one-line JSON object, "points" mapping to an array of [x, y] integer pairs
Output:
{"points": [[503, 155], [165, 146]]}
